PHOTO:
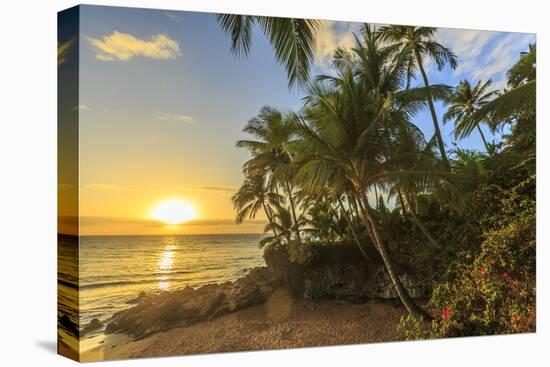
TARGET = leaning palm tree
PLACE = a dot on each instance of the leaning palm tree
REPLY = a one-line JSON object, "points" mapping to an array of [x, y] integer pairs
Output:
{"points": [[342, 136], [293, 40], [253, 195], [416, 43], [376, 67], [464, 102]]}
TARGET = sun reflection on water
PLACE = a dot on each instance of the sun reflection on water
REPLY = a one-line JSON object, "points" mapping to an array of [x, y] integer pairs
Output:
{"points": [[165, 262]]}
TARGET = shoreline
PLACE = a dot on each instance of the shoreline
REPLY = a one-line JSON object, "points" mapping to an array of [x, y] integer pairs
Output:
{"points": [[279, 306], [282, 322]]}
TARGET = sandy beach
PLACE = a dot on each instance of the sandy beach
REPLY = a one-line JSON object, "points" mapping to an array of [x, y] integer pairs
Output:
{"points": [[281, 322]]}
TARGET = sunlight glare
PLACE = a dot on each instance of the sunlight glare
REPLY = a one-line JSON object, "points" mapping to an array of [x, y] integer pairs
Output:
{"points": [[173, 212]]}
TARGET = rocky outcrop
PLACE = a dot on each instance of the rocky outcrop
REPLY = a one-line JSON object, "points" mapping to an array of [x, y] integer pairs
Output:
{"points": [[167, 310], [340, 272], [92, 326]]}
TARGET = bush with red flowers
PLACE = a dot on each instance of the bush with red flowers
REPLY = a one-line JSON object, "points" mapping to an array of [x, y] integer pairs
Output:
{"points": [[489, 291]]}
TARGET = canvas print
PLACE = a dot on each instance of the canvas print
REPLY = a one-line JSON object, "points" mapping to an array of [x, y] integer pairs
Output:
{"points": [[240, 182]]}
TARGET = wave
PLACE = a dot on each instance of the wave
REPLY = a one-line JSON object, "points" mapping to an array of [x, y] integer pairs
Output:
{"points": [[117, 283]]}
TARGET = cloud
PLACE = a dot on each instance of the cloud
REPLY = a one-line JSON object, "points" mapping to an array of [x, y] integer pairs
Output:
{"points": [[63, 49], [123, 46], [215, 189], [170, 117], [332, 35], [81, 107], [118, 225], [106, 187], [172, 15], [484, 55]]}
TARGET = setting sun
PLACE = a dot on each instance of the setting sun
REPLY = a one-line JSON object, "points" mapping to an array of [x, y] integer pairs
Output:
{"points": [[173, 212]]}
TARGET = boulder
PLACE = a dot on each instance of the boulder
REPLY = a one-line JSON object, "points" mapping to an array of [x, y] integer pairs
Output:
{"points": [[92, 326], [167, 310]]}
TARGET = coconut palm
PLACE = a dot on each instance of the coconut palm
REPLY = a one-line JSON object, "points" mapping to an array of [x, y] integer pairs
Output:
{"points": [[519, 101], [417, 173], [293, 40], [270, 151], [253, 195], [416, 43], [376, 67], [281, 225], [342, 135], [464, 102]]}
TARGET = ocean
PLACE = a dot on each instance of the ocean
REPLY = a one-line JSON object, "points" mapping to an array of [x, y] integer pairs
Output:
{"points": [[115, 269]]}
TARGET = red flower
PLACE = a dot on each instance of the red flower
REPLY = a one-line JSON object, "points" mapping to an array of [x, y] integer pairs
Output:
{"points": [[505, 274], [446, 314], [482, 270]]}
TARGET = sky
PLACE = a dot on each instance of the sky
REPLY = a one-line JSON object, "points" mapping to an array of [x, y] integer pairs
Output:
{"points": [[162, 102]]}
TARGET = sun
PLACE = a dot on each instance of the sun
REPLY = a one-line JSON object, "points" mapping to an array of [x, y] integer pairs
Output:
{"points": [[173, 211]]}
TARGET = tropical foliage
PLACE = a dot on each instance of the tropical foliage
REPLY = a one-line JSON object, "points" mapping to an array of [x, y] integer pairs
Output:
{"points": [[352, 165]]}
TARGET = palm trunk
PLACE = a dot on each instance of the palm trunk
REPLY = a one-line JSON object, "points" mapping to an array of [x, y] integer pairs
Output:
{"points": [[439, 138], [376, 195], [381, 247], [418, 222], [293, 210], [483, 138], [353, 204], [356, 238], [270, 219]]}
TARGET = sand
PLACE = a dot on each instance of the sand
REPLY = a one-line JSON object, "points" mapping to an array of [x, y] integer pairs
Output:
{"points": [[281, 322]]}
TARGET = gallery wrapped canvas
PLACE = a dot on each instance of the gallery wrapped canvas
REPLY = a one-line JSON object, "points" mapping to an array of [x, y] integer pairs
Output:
{"points": [[236, 182]]}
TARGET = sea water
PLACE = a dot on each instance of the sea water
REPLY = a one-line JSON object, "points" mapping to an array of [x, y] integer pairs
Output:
{"points": [[116, 269]]}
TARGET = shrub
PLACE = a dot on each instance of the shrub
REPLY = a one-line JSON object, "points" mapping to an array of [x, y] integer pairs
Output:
{"points": [[492, 292]]}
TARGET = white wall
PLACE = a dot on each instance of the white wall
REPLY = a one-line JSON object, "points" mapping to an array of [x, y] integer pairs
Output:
{"points": [[28, 181]]}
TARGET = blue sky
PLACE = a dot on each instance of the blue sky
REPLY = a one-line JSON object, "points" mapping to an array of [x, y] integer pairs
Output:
{"points": [[162, 100]]}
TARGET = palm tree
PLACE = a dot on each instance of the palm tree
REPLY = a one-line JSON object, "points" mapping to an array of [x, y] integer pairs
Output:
{"points": [[464, 102], [270, 151], [253, 195], [519, 101], [281, 225], [415, 43], [293, 40], [377, 68], [343, 136], [417, 173]]}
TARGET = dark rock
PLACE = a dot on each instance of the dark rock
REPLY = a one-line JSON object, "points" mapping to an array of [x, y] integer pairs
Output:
{"points": [[66, 323], [138, 299], [93, 325], [167, 310], [339, 272]]}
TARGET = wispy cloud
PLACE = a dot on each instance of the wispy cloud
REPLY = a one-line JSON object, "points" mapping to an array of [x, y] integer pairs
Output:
{"points": [[173, 117], [484, 55], [123, 46], [332, 35], [216, 189], [106, 187], [63, 49], [174, 16], [81, 107]]}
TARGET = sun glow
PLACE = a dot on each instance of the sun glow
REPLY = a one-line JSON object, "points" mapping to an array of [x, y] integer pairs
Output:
{"points": [[173, 212]]}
